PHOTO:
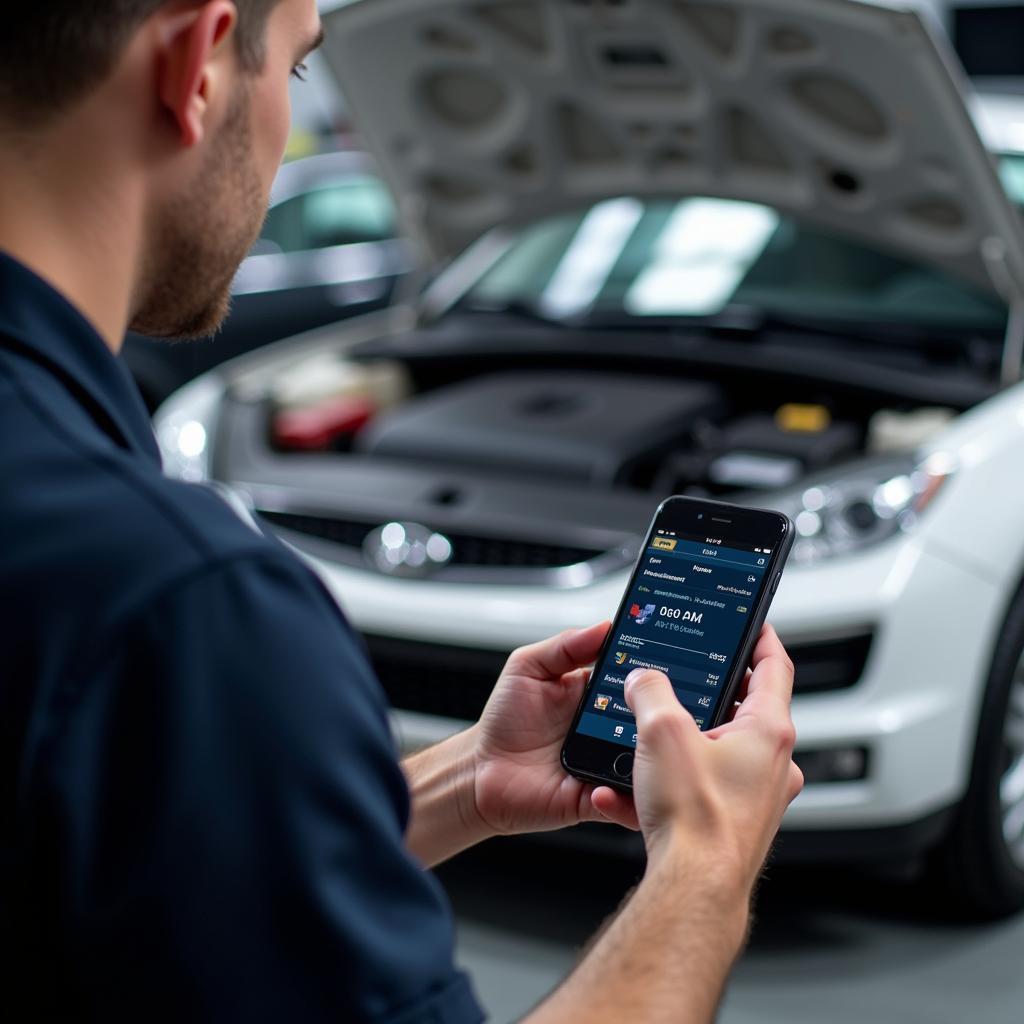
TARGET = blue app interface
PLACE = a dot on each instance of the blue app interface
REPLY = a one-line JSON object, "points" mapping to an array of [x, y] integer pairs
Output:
{"points": [[685, 616]]}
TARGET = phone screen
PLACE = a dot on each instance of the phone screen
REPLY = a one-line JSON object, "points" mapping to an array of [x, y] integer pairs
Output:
{"points": [[688, 611]]}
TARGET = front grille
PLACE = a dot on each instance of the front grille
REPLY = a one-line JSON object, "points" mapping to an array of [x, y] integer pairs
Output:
{"points": [[338, 531], [455, 682], [467, 549], [508, 554]]}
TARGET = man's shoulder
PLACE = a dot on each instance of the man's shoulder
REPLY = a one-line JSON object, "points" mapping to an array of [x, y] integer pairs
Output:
{"points": [[73, 508], [91, 530]]}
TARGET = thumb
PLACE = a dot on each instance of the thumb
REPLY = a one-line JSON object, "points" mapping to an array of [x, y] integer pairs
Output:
{"points": [[653, 702]]}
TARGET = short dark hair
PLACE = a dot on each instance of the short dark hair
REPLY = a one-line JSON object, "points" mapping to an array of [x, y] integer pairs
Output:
{"points": [[53, 52]]}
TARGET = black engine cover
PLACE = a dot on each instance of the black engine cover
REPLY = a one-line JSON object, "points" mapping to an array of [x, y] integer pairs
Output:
{"points": [[575, 426]]}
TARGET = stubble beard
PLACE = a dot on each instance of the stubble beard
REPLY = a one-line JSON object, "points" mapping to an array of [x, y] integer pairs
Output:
{"points": [[200, 238]]}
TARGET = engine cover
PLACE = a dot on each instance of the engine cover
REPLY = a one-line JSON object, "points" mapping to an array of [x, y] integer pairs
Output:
{"points": [[587, 427]]}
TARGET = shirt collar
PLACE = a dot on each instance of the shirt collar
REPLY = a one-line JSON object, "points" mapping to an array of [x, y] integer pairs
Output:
{"points": [[45, 326]]}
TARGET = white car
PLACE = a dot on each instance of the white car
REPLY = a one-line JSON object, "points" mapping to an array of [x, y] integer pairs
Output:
{"points": [[766, 239]]}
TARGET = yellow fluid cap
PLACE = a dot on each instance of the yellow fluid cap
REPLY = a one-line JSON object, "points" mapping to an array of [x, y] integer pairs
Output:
{"points": [[803, 419]]}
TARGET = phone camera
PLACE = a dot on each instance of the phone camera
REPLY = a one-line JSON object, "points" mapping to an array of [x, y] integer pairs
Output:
{"points": [[700, 515]]}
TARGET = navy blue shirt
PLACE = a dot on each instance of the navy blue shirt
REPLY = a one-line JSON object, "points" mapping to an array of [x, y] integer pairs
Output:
{"points": [[201, 810]]}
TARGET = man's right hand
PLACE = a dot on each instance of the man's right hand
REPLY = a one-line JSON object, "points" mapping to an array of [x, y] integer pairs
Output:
{"points": [[727, 788], [709, 805]]}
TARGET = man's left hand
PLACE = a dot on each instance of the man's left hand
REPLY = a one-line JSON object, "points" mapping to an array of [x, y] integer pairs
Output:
{"points": [[519, 782]]}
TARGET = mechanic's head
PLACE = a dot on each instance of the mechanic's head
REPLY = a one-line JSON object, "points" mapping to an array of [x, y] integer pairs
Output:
{"points": [[184, 103]]}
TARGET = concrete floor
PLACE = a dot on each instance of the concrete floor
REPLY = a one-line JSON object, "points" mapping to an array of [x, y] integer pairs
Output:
{"points": [[829, 946]]}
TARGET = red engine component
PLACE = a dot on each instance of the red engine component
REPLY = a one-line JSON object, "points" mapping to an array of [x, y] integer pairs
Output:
{"points": [[319, 426]]}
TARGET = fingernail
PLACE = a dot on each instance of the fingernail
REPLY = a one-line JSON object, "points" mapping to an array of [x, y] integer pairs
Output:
{"points": [[635, 675]]}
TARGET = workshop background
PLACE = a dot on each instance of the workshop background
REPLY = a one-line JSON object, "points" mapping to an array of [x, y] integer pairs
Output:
{"points": [[533, 265]]}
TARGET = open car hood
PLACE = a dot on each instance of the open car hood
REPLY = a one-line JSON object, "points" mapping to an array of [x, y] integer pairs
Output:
{"points": [[845, 114]]}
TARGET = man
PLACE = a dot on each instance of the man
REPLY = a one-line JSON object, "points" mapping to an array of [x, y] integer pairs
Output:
{"points": [[202, 815]]}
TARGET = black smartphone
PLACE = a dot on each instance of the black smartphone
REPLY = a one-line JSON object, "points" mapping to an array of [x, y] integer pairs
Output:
{"points": [[693, 609]]}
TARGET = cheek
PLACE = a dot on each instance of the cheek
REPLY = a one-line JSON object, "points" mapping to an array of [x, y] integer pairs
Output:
{"points": [[272, 115], [280, 118]]}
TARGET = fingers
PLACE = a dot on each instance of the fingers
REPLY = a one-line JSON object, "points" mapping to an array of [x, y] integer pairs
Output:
{"points": [[796, 782], [741, 691], [772, 667], [770, 691], [741, 696], [573, 682], [615, 807], [656, 708], [552, 659]]}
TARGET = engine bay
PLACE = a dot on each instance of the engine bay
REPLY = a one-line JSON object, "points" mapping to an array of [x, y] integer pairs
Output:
{"points": [[589, 428], [535, 456]]}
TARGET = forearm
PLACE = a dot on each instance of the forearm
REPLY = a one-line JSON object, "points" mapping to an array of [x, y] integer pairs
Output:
{"points": [[444, 819], [667, 954]]}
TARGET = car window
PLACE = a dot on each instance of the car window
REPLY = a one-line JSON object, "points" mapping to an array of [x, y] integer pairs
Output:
{"points": [[354, 210], [694, 257], [1011, 169]]}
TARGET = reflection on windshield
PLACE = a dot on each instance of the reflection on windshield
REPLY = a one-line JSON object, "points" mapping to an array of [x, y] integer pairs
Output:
{"points": [[697, 256], [701, 256], [590, 257]]}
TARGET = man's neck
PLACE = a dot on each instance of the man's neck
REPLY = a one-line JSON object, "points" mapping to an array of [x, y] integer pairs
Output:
{"points": [[64, 214]]}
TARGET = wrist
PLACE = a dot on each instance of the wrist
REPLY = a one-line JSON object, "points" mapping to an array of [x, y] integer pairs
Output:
{"points": [[708, 871], [442, 785], [687, 903], [466, 763]]}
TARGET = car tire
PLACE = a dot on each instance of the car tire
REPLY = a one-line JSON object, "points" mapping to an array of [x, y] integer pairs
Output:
{"points": [[980, 865]]}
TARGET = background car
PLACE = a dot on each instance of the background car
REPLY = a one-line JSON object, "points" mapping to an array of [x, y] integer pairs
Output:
{"points": [[328, 250], [767, 243]]}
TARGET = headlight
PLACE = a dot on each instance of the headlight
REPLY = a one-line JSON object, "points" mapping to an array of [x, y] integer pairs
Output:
{"points": [[184, 427], [867, 504]]}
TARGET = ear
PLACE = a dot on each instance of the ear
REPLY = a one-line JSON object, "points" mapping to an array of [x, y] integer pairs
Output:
{"points": [[188, 68]]}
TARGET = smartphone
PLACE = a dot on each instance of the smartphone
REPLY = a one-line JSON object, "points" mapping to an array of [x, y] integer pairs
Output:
{"points": [[693, 609]]}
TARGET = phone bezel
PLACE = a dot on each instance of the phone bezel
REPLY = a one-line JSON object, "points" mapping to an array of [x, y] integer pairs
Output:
{"points": [[679, 513]]}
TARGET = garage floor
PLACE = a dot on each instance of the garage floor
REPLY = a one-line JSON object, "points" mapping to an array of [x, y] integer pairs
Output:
{"points": [[833, 946]]}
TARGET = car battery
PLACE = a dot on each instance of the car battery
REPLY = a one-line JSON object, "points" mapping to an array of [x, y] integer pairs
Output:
{"points": [[805, 433], [763, 452], [760, 452]]}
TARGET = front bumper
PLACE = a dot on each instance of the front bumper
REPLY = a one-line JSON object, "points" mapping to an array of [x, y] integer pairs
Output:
{"points": [[914, 709]]}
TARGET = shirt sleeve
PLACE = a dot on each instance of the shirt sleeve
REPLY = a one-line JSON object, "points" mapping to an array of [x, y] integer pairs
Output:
{"points": [[224, 815]]}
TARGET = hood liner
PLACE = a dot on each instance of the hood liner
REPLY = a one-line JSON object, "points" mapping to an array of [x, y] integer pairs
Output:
{"points": [[848, 115]]}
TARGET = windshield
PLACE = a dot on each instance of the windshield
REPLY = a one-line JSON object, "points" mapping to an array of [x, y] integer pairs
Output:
{"points": [[697, 257]]}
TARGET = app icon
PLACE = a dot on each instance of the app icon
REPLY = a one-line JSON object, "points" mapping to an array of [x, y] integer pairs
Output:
{"points": [[602, 702], [619, 730], [620, 658], [664, 544], [641, 615]]}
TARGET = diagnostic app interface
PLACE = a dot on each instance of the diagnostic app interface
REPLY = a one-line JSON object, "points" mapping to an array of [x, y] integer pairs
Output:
{"points": [[685, 616]]}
